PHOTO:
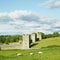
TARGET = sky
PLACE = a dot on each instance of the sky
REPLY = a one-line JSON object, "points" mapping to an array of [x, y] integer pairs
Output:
{"points": [[27, 16]]}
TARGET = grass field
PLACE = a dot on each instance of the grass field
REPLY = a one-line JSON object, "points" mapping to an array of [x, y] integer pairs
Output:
{"points": [[50, 49], [49, 53], [47, 42]]}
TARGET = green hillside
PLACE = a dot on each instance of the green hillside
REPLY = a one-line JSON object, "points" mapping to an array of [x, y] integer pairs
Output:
{"points": [[46, 42]]}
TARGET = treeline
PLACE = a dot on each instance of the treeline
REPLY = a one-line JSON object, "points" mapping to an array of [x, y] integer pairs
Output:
{"points": [[55, 34], [7, 39]]}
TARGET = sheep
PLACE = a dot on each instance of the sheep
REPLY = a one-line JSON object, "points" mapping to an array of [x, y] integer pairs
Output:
{"points": [[40, 52], [31, 54], [19, 54]]}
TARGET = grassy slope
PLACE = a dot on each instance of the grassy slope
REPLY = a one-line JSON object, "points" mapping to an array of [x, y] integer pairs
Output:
{"points": [[47, 42]]}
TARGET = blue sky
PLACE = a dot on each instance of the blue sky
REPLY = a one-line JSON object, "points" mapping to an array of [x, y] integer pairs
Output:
{"points": [[27, 16]]}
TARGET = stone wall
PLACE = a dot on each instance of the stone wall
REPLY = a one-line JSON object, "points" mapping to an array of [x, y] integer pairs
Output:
{"points": [[15, 45], [26, 41], [33, 37], [39, 37]]}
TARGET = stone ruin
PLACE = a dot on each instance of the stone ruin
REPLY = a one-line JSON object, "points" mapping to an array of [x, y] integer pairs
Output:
{"points": [[39, 36], [27, 39], [23, 44], [33, 37]]}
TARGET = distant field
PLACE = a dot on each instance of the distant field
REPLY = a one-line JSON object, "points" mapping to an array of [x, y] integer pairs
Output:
{"points": [[47, 42]]}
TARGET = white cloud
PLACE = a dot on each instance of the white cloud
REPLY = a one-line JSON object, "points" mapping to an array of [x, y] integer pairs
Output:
{"points": [[50, 4], [56, 4], [31, 24], [57, 25], [3, 14], [27, 22], [20, 13]]}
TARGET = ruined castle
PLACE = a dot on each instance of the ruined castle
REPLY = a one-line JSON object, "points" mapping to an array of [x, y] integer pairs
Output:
{"points": [[25, 43]]}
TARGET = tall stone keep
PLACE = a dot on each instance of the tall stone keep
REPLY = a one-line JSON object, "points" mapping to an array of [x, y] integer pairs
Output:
{"points": [[33, 37], [26, 41], [39, 36]]}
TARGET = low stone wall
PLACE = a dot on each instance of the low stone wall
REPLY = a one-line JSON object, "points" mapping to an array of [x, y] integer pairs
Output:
{"points": [[15, 45]]}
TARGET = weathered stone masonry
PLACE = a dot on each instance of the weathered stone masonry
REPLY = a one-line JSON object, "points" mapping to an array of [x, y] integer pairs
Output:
{"points": [[25, 43]]}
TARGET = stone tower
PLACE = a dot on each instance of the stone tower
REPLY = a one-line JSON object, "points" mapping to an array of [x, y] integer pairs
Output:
{"points": [[26, 39], [39, 36], [33, 37]]}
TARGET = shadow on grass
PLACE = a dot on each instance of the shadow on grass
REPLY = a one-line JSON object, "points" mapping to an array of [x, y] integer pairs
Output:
{"points": [[33, 44], [2, 57]]}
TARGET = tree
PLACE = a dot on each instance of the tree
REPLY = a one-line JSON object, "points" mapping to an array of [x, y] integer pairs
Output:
{"points": [[49, 35], [43, 35], [7, 40], [56, 34]]}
